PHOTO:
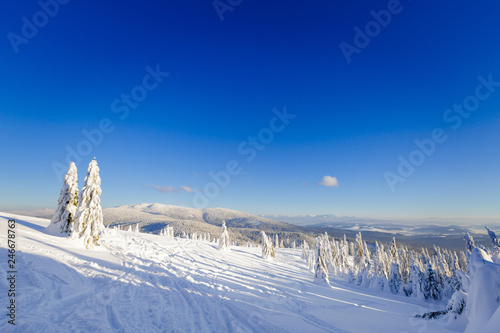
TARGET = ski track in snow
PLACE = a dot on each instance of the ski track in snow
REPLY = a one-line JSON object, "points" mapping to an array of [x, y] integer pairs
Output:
{"points": [[147, 283]]}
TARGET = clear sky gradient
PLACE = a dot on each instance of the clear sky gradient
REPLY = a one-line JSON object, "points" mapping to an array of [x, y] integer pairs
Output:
{"points": [[354, 115]]}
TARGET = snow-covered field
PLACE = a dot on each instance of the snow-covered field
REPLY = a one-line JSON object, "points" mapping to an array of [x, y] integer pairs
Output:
{"points": [[138, 282]]}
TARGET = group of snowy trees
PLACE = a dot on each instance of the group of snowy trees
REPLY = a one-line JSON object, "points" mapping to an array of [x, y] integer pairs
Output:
{"points": [[79, 214], [394, 269], [167, 232], [224, 241], [468, 281], [475, 301], [269, 243]]}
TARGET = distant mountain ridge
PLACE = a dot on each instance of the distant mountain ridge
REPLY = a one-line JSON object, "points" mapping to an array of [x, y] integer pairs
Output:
{"points": [[153, 217], [149, 212], [306, 220], [45, 213]]}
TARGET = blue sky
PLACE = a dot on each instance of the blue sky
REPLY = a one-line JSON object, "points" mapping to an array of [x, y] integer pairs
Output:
{"points": [[352, 119]]}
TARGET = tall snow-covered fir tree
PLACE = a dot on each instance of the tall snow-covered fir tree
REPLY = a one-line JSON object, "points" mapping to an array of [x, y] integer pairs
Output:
{"points": [[89, 220], [431, 285], [359, 249], [416, 280], [64, 217], [267, 247], [393, 250], [469, 242], [320, 268], [394, 278], [305, 249], [495, 242], [224, 238]]}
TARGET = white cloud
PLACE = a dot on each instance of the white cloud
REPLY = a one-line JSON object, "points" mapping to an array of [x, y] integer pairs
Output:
{"points": [[164, 189], [169, 189], [329, 181], [187, 189]]}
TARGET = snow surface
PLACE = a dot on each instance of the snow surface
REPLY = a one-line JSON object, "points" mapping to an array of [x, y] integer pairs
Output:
{"points": [[137, 282]]}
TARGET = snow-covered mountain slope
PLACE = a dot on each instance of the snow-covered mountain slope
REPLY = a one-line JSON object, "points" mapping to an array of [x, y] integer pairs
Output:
{"points": [[154, 217], [156, 212], [137, 282]]}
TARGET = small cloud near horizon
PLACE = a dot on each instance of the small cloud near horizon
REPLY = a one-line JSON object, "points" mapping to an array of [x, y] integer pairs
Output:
{"points": [[187, 189], [329, 181], [170, 189]]}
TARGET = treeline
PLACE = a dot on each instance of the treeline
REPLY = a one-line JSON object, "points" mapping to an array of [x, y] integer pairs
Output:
{"points": [[423, 274], [169, 231], [469, 282]]}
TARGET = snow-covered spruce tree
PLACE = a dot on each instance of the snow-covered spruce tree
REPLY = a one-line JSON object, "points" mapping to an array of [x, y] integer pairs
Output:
{"points": [[334, 259], [344, 256], [394, 278], [455, 265], [431, 285], [224, 238], [456, 305], [469, 246], [404, 264], [320, 268], [327, 249], [64, 217], [393, 250], [463, 261], [469, 243], [311, 260], [495, 246], [378, 265], [305, 250], [267, 247], [89, 220], [169, 231], [416, 284], [493, 238], [359, 250], [351, 248]]}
